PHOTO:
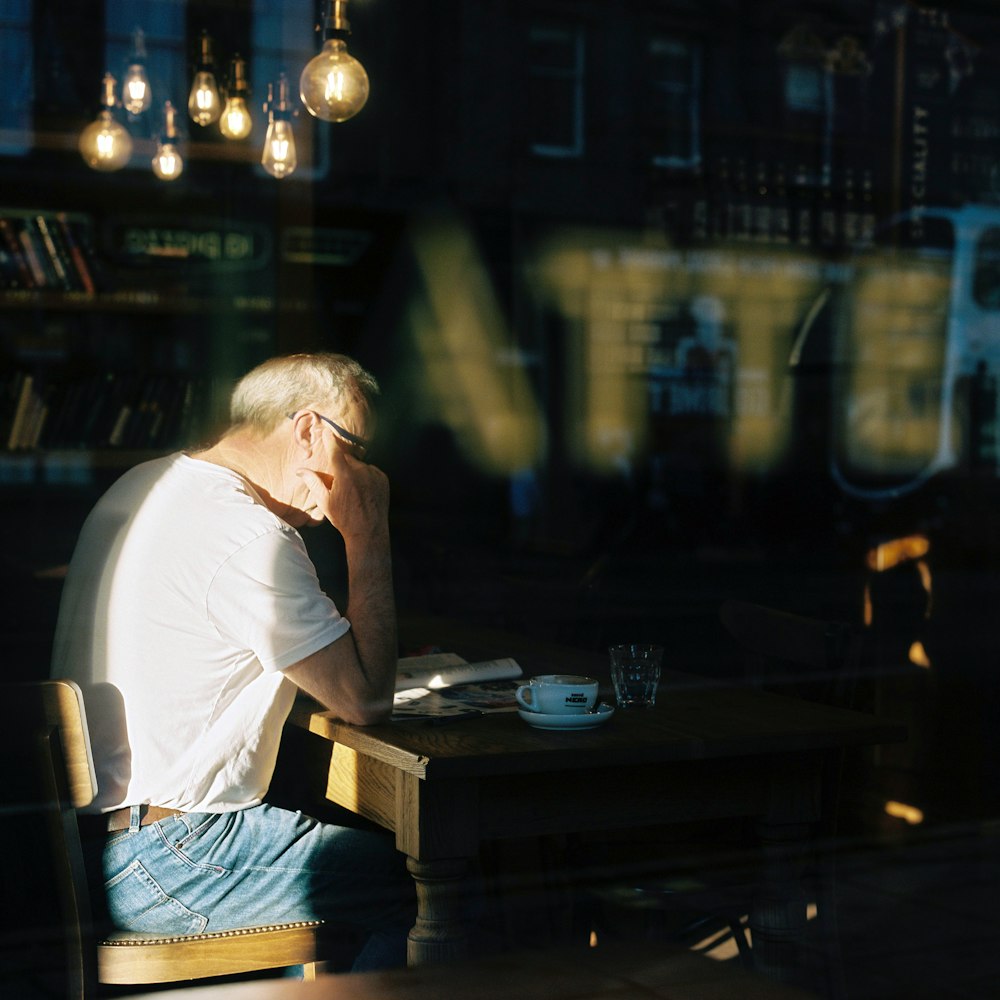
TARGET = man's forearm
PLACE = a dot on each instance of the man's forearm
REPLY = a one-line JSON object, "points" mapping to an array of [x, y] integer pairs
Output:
{"points": [[371, 609]]}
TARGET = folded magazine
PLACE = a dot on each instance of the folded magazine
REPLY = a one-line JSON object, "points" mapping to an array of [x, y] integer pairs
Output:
{"points": [[444, 685]]}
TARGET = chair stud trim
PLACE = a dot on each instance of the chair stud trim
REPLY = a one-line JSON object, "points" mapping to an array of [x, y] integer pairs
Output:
{"points": [[138, 941]]}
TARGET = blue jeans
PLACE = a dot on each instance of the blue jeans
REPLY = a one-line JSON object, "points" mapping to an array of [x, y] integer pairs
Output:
{"points": [[216, 871]]}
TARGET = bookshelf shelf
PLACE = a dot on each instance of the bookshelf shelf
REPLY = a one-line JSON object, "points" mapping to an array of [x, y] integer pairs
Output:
{"points": [[135, 301], [55, 410]]}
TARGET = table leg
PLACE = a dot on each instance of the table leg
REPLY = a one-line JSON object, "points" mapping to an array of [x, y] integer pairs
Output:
{"points": [[778, 912], [439, 935]]}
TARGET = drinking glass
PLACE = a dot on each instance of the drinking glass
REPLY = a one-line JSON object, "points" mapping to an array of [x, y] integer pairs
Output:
{"points": [[635, 673]]}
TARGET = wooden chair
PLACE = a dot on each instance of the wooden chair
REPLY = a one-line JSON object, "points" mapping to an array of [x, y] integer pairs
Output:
{"points": [[50, 944], [812, 658]]}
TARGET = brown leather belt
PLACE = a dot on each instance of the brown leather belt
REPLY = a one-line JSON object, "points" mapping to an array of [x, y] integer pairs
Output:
{"points": [[121, 818]]}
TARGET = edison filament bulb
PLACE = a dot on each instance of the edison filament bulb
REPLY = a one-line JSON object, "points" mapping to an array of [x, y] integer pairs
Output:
{"points": [[334, 85]]}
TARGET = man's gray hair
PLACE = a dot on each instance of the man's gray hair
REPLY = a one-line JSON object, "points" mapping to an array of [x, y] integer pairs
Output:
{"points": [[280, 386]]}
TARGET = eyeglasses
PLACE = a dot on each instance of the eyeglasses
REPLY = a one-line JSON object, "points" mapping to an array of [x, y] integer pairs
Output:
{"points": [[358, 443]]}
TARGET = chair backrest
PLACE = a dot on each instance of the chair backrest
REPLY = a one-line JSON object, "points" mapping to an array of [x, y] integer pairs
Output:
{"points": [[810, 657], [46, 934]]}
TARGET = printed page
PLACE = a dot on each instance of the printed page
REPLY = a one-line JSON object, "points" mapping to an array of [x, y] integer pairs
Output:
{"points": [[455, 702], [442, 670]]}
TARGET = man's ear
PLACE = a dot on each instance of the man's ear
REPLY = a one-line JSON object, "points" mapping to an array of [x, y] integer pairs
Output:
{"points": [[306, 429]]}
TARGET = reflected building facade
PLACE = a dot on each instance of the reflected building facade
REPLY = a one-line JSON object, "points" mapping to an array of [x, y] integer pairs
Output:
{"points": [[684, 209]]}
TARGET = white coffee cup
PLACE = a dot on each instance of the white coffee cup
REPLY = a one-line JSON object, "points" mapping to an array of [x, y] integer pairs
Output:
{"points": [[558, 694]]}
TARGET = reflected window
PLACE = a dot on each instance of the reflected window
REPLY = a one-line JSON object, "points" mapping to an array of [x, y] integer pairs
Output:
{"points": [[162, 27], [804, 88], [986, 277], [675, 108], [284, 40], [803, 55], [555, 89], [16, 75]]}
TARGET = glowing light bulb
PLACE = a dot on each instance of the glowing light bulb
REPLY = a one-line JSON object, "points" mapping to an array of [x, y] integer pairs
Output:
{"points": [[137, 95], [105, 144], [204, 102], [279, 158], [167, 163], [333, 85], [236, 122]]}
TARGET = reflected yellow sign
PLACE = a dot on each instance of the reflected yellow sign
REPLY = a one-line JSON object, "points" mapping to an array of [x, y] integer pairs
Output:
{"points": [[893, 336], [474, 380], [660, 336]]}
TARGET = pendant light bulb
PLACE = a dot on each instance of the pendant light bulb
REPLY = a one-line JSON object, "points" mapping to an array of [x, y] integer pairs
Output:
{"points": [[236, 122], [279, 158], [105, 144], [334, 85], [137, 95], [167, 163], [204, 102]]}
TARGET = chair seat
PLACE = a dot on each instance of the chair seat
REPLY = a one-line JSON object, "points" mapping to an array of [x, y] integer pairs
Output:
{"points": [[128, 957]]}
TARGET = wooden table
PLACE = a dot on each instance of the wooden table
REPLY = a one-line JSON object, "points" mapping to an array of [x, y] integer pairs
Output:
{"points": [[706, 751]]}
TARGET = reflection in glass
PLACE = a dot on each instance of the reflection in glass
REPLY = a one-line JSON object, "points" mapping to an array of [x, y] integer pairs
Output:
{"points": [[986, 276], [894, 419]]}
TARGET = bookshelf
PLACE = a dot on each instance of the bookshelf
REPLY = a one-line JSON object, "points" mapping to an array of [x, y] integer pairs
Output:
{"points": [[46, 251], [109, 330]]}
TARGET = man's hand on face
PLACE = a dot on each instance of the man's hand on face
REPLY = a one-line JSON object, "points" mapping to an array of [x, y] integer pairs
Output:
{"points": [[353, 496]]}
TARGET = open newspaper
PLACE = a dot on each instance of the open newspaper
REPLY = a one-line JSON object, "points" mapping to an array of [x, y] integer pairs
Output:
{"points": [[445, 686]]}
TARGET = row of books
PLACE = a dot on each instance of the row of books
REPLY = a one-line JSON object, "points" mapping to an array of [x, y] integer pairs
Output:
{"points": [[49, 251], [98, 410]]}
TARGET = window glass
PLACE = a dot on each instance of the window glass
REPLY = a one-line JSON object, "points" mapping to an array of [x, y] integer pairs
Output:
{"points": [[165, 61], [675, 83], [804, 88], [555, 90], [16, 73], [284, 40], [986, 277]]}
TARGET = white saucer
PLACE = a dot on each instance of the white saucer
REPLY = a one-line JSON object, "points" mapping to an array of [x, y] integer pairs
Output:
{"points": [[585, 720]]}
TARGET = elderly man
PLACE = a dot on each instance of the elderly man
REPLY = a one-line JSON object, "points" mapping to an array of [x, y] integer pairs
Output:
{"points": [[191, 615]]}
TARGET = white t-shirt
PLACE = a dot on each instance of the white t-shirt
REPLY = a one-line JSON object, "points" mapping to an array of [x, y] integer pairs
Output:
{"points": [[185, 599]]}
